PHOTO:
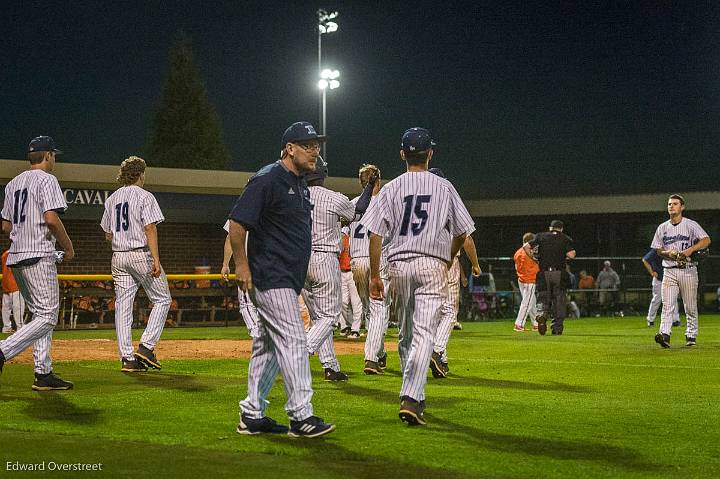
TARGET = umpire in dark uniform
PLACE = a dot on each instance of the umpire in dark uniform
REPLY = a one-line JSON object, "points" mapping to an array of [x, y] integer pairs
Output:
{"points": [[553, 249]]}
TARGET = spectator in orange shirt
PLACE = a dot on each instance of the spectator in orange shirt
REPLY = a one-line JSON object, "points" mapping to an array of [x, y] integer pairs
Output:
{"points": [[586, 281], [527, 269], [12, 300], [349, 292]]}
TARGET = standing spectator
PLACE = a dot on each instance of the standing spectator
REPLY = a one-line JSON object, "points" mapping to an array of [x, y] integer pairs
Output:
{"points": [[527, 269], [572, 278], [586, 282], [12, 300], [608, 283]]}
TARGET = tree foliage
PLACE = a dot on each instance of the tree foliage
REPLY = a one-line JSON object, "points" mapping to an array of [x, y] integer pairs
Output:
{"points": [[186, 130]]}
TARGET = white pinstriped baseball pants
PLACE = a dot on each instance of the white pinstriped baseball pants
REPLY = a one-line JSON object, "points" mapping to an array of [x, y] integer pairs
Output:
{"points": [[684, 282], [130, 270], [419, 289], [350, 302], [377, 322], [281, 345], [656, 302], [38, 285], [322, 297], [13, 302], [528, 304], [450, 308]]}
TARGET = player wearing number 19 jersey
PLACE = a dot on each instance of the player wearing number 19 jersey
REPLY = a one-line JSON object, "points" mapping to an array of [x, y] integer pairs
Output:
{"points": [[33, 200], [130, 219], [418, 212]]}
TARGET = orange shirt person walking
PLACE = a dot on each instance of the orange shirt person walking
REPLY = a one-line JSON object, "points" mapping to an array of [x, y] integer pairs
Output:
{"points": [[12, 300], [527, 269]]}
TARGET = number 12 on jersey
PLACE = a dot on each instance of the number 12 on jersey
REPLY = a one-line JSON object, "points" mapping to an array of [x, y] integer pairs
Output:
{"points": [[419, 212], [122, 219]]}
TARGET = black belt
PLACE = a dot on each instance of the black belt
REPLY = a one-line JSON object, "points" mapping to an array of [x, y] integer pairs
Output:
{"points": [[679, 267], [142, 248]]}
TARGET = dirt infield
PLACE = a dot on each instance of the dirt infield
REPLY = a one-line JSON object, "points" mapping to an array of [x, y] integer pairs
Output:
{"points": [[107, 349]]}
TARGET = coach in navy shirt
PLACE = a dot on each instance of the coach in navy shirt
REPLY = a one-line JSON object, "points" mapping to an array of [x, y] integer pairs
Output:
{"points": [[273, 214]]}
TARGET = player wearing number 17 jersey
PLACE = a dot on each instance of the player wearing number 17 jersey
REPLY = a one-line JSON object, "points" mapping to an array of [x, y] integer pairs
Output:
{"points": [[33, 200], [130, 219], [417, 212]]}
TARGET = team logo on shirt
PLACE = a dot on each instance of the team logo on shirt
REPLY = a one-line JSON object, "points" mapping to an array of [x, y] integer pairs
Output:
{"points": [[674, 239], [291, 191]]}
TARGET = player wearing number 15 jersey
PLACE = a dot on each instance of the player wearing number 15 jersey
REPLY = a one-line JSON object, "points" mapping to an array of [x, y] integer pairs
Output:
{"points": [[33, 200], [418, 212], [129, 222]]}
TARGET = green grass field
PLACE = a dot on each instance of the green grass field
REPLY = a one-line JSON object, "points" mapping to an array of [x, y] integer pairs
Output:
{"points": [[601, 401]]}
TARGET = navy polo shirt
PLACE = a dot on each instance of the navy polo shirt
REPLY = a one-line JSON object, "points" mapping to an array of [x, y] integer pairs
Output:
{"points": [[655, 261], [275, 209]]}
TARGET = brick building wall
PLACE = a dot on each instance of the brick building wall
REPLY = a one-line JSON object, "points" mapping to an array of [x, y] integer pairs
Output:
{"points": [[182, 247]]}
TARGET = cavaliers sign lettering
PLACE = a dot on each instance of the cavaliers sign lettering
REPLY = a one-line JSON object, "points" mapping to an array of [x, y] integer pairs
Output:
{"points": [[86, 197]]}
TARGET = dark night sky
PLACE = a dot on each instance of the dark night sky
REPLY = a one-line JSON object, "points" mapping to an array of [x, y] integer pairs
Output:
{"points": [[523, 101]]}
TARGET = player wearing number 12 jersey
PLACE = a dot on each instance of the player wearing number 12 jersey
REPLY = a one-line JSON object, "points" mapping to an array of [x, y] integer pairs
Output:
{"points": [[33, 201], [129, 222], [417, 212]]}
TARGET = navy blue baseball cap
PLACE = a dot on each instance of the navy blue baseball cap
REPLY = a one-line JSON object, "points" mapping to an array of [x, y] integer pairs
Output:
{"points": [[301, 131], [43, 143], [438, 172], [417, 139]]}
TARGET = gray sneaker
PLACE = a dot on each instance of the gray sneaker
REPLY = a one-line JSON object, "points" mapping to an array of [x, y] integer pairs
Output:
{"points": [[147, 356], [412, 411], [436, 367], [382, 361], [133, 366], [50, 382], [371, 367]]}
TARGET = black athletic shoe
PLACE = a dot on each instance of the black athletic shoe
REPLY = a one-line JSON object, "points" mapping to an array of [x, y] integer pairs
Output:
{"points": [[133, 366], [689, 341], [651, 324], [345, 331], [412, 411], [371, 367], [676, 323], [663, 340], [382, 361], [436, 366], [446, 367], [542, 324], [310, 427], [556, 332], [50, 382], [354, 335], [252, 426], [147, 356], [331, 375], [457, 326]]}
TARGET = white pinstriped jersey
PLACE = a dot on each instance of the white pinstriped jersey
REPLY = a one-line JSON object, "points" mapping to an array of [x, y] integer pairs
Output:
{"points": [[330, 207], [678, 237], [359, 237], [127, 212], [27, 197], [413, 211]]}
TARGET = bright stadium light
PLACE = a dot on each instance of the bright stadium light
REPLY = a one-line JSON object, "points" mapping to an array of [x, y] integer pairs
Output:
{"points": [[325, 25]]}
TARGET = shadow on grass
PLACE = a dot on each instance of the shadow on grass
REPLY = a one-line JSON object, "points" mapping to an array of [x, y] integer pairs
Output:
{"points": [[178, 382], [54, 406], [336, 460], [550, 448], [454, 381], [393, 397]]}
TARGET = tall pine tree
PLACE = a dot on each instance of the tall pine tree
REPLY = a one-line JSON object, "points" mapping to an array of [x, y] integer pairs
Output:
{"points": [[186, 131]]}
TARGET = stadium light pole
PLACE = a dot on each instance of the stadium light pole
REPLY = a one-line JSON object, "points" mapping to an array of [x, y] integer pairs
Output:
{"points": [[325, 25], [328, 80]]}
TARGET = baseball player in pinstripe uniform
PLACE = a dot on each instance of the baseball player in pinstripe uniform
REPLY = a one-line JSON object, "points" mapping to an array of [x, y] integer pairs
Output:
{"points": [[352, 308], [130, 224], [30, 214], [653, 265], [247, 309], [676, 240], [439, 365], [414, 210], [274, 214], [322, 290], [376, 311]]}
